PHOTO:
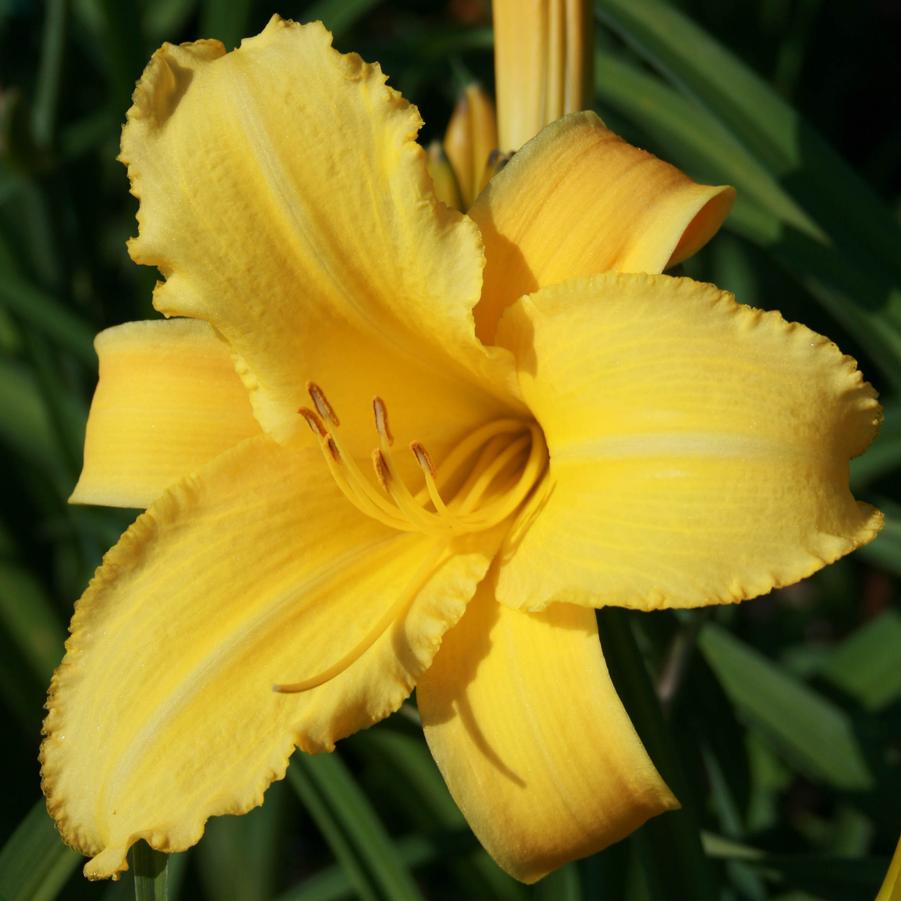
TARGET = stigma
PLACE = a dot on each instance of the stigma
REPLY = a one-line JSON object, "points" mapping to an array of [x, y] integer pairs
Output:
{"points": [[481, 482]]}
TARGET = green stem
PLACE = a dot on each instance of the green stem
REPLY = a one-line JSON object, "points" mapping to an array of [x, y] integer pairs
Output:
{"points": [[150, 872], [669, 845]]}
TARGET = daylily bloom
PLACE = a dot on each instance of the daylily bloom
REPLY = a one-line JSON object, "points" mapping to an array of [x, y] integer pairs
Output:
{"points": [[505, 420]]}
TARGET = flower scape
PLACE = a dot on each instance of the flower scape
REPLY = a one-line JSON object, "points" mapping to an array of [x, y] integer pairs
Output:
{"points": [[385, 445]]}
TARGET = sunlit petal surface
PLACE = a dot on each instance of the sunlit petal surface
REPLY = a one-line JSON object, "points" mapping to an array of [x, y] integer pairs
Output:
{"points": [[699, 448], [578, 200], [285, 200], [529, 733], [168, 401], [254, 572]]}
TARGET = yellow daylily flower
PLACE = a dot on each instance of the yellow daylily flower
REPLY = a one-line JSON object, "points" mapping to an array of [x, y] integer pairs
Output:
{"points": [[506, 419]]}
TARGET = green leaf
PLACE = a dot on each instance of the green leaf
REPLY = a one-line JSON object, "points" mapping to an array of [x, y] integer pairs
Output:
{"points": [[238, 855], [561, 885], [25, 426], [29, 618], [150, 872], [48, 316], [48, 82], [408, 762], [34, 862], [827, 876], [810, 731], [866, 664], [669, 844], [351, 827], [122, 45], [332, 884], [163, 19], [329, 826]]}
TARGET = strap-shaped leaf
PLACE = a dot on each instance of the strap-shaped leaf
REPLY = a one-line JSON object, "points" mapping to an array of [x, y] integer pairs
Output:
{"points": [[865, 665], [813, 733], [34, 862], [351, 827]]}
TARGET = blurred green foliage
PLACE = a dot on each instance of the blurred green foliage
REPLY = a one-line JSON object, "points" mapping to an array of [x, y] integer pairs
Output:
{"points": [[778, 722]]}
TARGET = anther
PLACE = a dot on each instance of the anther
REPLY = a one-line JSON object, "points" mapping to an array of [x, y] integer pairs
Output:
{"points": [[332, 447], [422, 457], [313, 421], [379, 464], [320, 402], [382, 426]]}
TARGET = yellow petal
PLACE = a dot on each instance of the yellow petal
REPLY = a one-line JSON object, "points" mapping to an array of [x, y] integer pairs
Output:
{"points": [[470, 138], [286, 202], [578, 200], [699, 448], [543, 64], [255, 571], [168, 400], [528, 731]]}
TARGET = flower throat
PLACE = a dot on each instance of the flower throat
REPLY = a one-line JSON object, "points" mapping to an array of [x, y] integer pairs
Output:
{"points": [[481, 482]]}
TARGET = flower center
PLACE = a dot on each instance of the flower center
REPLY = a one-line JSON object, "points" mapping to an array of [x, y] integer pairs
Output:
{"points": [[483, 480]]}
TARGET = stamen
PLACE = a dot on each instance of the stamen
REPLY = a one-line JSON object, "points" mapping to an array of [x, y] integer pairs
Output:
{"points": [[503, 461], [381, 420], [320, 402], [453, 462], [488, 474], [422, 457], [510, 500], [408, 505], [313, 421], [428, 472], [381, 469], [491, 474]]}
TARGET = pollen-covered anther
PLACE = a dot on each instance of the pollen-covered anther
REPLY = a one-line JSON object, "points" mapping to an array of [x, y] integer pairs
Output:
{"points": [[382, 426], [422, 457], [313, 421], [320, 402], [380, 468]]}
